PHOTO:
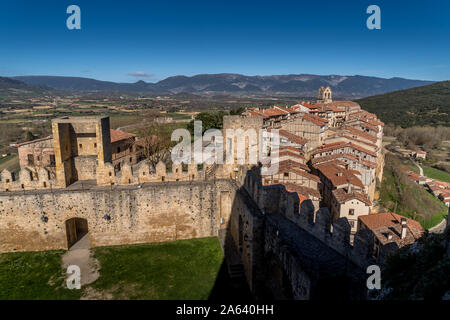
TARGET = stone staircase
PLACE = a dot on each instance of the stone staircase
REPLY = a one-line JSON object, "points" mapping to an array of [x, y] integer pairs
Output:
{"points": [[236, 270], [232, 256]]}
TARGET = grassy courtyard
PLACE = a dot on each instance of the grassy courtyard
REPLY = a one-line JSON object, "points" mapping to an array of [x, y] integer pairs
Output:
{"points": [[185, 269]]}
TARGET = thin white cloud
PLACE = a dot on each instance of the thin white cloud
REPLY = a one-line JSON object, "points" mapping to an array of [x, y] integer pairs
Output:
{"points": [[140, 74]]}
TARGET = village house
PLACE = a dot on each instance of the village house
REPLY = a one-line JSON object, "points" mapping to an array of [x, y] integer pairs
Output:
{"points": [[294, 173], [41, 153], [390, 232], [333, 175], [346, 203], [418, 154], [124, 149], [36, 153], [304, 193], [309, 127], [445, 197]]}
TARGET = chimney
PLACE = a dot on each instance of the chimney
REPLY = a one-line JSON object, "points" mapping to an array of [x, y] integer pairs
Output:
{"points": [[389, 236], [349, 188], [403, 235]]}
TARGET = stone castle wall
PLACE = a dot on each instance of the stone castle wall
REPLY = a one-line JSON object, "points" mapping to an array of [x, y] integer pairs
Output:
{"points": [[154, 212]]}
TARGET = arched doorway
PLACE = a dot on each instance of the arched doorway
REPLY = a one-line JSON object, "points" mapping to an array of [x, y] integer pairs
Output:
{"points": [[76, 229]]}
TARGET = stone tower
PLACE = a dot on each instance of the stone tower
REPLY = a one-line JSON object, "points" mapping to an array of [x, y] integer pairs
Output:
{"points": [[324, 95], [81, 144]]}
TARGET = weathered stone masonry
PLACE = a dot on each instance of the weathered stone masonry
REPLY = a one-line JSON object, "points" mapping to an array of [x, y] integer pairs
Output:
{"points": [[124, 215]]}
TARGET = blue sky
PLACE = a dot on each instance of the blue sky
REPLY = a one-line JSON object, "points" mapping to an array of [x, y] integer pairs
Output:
{"points": [[132, 40]]}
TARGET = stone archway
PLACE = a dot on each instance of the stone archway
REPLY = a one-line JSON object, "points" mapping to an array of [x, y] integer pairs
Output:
{"points": [[76, 229]]}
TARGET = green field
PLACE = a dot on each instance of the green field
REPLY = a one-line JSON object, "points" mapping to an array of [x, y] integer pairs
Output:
{"points": [[432, 173], [185, 269], [436, 174], [10, 162]]}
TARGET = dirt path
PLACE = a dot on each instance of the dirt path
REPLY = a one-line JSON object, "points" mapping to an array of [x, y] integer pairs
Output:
{"points": [[418, 166], [80, 255], [440, 228]]}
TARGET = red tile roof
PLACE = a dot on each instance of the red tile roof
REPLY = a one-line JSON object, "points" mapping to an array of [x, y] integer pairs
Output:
{"points": [[315, 119], [342, 196], [338, 145], [389, 223], [385, 219], [361, 134], [20, 144], [118, 135], [292, 137], [305, 191], [293, 166], [339, 176], [332, 157]]}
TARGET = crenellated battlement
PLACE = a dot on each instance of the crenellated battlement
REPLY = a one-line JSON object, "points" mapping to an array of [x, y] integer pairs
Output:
{"points": [[277, 200], [28, 179]]}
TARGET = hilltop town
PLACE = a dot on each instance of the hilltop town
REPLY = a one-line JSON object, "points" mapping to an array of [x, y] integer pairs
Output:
{"points": [[88, 182]]}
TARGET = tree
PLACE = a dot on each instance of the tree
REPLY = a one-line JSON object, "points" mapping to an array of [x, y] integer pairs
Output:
{"points": [[211, 119], [156, 145]]}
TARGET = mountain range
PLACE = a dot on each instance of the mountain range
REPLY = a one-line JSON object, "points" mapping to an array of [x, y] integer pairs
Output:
{"points": [[15, 88], [300, 85]]}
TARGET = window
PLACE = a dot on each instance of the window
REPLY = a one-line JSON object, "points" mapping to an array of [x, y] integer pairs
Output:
{"points": [[118, 149], [30, 158], [81, 146], [95, 145], [286, 174], [52, 160], [351, 212], [352, 223]]}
